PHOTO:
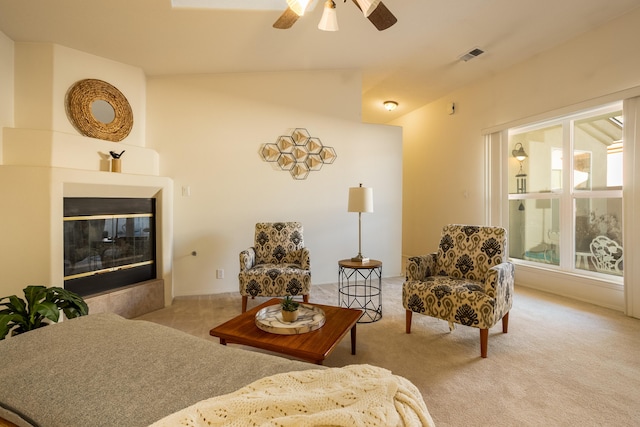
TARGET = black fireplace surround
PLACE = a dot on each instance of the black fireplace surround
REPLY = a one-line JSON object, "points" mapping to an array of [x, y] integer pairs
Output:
{"points": [[109, 243]]}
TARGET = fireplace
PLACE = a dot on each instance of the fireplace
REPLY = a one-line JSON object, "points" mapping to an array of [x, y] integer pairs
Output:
{"points": [[109, 243]]}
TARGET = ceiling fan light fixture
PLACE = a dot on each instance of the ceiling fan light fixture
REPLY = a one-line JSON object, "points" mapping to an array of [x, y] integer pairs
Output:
{"points": [[390, 105], [298, 6], [329, 20], [368, 6]]}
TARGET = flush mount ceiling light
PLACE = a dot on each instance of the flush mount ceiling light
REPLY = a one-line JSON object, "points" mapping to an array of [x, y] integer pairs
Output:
{"points": [[374, 10], [390, 105]]}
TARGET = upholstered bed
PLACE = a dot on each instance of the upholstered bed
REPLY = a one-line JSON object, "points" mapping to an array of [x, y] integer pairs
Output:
{"points": [[104, 370]]}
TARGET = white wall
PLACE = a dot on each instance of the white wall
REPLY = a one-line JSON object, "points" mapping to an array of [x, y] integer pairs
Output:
{"points": [[208, 130], [444, 155]]}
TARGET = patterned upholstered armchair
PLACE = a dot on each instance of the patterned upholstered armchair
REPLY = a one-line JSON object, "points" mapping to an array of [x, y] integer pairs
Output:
{"points": [[277, 265], [467, 281]]}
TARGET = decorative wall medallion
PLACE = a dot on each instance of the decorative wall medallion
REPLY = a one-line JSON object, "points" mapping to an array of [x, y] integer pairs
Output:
{"points": [[298, 153], [99, 110]]}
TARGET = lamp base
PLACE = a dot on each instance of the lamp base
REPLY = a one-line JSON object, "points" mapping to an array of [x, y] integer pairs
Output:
{"points": [[360, 258]]}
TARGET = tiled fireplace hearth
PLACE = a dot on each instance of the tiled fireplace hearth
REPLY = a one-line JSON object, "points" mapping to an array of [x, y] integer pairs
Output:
{"points": [[129, 301]]}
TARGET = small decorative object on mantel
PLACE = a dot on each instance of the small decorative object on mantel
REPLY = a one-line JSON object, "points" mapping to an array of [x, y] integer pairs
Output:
{"points": [[116, 166], [298, 153], [289, 309]]}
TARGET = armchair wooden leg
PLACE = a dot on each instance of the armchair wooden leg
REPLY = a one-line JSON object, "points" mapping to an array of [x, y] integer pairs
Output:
{"points": [[484, 338], [305, 298], [408, 321], [244, 303], [505, 323]]}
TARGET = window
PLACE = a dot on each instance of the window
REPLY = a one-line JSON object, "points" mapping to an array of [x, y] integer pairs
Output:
{"points": [[565, 192]]}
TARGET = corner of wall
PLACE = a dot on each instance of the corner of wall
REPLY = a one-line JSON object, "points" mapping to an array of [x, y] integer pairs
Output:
{"points": [[33, 85], [7, 83], [70, 66]]}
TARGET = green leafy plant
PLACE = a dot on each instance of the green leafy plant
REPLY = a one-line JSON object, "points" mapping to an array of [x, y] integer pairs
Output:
{"points": [[289, 304], [40, 307]]}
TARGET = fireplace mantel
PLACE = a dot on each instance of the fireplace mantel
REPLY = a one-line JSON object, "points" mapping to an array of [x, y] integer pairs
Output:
{"points": [[47, 148]]}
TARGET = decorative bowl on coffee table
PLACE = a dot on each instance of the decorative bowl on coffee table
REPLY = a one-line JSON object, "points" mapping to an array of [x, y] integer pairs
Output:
{"points": [[269, 319]]}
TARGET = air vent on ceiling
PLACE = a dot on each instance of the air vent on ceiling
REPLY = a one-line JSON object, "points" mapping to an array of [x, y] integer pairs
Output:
{"points": [[476, 51]]}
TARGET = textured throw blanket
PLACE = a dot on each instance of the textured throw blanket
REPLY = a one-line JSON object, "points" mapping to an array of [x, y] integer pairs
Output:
{"points": [[356, 395]]}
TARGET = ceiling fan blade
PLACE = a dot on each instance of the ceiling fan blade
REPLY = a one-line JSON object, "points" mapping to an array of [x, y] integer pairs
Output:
{"points": [[381, 17], [286, 20]]}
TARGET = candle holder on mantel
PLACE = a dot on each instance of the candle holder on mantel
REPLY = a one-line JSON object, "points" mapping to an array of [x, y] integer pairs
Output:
{"points": [[116, 165]]}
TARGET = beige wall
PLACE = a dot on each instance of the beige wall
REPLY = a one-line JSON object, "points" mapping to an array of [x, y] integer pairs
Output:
{"points": [[26, 238], [444, 159], [443, 154], [203, 132], [208, 130], [6, 84]]}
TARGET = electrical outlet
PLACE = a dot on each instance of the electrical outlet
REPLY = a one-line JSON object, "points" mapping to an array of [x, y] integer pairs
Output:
{"points": [[219, 273]]}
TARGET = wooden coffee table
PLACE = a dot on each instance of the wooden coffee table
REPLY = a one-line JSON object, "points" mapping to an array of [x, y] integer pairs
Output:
{"points": [[312, 346]]}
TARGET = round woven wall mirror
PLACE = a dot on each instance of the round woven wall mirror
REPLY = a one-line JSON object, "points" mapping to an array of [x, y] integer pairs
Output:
{"points": [[99, 110]]}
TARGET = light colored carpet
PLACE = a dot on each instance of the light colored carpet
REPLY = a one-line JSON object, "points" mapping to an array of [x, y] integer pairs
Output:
{"points": [[563, 362]]}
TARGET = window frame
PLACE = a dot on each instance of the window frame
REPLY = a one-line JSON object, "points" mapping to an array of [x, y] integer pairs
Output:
{"points": [[591, 289], [566, 195]]}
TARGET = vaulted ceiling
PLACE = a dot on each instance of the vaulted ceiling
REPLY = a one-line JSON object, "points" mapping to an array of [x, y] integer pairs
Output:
{"points": [[414, 62]]}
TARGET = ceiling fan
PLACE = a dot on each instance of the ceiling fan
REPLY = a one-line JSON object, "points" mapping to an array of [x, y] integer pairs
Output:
{"points": [[374, 10]]}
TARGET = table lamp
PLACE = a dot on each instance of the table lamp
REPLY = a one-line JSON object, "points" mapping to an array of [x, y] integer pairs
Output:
{"points": [[360, 200]]}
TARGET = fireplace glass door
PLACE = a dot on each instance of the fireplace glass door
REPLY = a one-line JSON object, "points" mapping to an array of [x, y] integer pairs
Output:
{"points": [[105, 251]]}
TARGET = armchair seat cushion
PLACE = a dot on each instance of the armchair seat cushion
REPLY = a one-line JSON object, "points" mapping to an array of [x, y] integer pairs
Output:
{"points": [[461, 301], [274, 280]]}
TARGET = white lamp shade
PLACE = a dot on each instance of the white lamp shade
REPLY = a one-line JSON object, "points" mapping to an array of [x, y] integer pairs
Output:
{"points": [[298, 6], [360, 199], [368, 6], [329, 20]]}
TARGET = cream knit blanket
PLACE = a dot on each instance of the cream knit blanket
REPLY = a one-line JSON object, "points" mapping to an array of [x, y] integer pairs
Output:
{"points": [[356, 395]]}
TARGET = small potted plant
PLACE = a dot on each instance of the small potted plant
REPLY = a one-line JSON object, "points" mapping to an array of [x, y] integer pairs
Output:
{"points": [[40, 307], [289, 309]]}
